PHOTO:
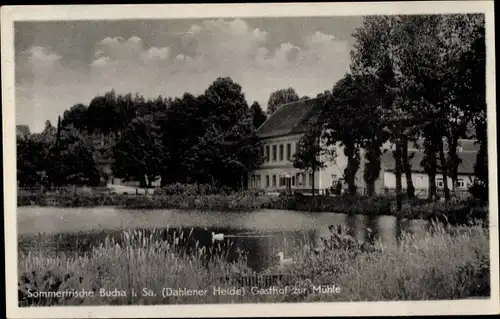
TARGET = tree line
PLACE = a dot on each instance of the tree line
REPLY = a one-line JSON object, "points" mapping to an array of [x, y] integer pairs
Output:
{"points": [[208, 138], [412, 78]]}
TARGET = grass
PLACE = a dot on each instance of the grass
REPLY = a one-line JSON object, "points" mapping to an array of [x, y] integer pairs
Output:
{"points": [[443, 264]]}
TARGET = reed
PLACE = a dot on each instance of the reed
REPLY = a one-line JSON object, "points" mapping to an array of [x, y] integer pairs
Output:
{"points": [[443, 264]]}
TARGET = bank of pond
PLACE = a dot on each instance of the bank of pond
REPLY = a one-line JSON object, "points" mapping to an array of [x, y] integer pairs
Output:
{"points": [[454, 211]]}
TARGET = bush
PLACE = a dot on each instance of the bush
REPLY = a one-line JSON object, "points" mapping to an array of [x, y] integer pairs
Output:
{"points": [[479, 191]]}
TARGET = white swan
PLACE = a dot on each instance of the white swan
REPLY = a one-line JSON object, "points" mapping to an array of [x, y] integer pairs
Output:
{"points": [[217, 237], [283, 261]]}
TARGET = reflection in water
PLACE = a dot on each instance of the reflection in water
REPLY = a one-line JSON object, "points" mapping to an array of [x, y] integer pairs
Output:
{"points": [[260, 235]]}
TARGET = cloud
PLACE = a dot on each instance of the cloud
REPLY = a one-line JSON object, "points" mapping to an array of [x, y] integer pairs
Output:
{"points": [[223, 44], [37, 54], [117, 50], [188, 63]]}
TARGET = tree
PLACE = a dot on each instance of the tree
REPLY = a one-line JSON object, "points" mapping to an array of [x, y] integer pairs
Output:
{"points": [[280, 97], [373, 55], [181, 128], [76, 116], [30, 160], [102, 114], [138, 154], [72, 160], [229, 141], [347, 117], [258, 115], [309, 151]]}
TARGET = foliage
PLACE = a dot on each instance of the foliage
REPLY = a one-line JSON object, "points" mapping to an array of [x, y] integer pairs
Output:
{"points": [[72, 160], [229, 148], [422, 68], [280, 97], [309, 153], [351, 122], [138, 154], [258, 115]]}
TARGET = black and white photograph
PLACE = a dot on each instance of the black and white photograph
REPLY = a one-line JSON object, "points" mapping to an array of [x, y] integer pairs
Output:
{"points": [[323, 156]]}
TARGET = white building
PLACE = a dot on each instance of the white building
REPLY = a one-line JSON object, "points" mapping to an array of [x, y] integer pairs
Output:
{"points": [[281, 132]]}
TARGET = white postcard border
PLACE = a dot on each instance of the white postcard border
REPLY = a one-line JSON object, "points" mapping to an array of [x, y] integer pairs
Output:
{"points": [[116, 12]]}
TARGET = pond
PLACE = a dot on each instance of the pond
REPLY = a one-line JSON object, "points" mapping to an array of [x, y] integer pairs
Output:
{"points": [[261, 234]]}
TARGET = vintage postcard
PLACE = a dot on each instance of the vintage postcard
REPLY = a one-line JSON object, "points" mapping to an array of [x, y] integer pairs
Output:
{"points": [[238, 160]]}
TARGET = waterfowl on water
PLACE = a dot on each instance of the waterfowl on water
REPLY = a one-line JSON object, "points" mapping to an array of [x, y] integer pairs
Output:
{"points": [[217, 237]]}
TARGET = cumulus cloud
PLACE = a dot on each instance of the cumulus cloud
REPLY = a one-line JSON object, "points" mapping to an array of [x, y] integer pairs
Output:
{"points": [[37, 54], [223, 44], [208, 49], [115, 50]]}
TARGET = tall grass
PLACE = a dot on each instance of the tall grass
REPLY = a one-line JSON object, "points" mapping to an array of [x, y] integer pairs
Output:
{"points": [[443, 264]]}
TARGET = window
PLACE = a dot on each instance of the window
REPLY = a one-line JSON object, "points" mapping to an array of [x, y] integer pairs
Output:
{"points": [[274, 180], [258, 181], [440, 183], [282, 181], [267, 181], [310, 179], [460, 183], [274, 153], [281, 152], [293, 180], [288, 151], [267, 153], [262, 151]]}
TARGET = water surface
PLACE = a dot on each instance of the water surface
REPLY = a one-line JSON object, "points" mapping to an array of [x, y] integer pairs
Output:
{"points": [[262, 234]]}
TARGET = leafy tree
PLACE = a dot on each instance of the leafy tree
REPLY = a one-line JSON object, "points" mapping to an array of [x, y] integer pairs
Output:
{"points": [[280, 97], [308, 156], [181, 129], [258, 115], [229, 140], [102, 114], [76, 116], [72, 160], [346, 121], [30, 160], [126, 111], [138, 154], [374, 56]]}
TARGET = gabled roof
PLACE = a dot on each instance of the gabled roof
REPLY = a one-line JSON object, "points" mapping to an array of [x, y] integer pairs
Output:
{"points": [[465, 167], [291, 118]]}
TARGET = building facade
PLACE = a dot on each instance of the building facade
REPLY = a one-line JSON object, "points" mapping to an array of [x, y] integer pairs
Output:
{"points": [[281, 132], [466, 151], [280, 135]]}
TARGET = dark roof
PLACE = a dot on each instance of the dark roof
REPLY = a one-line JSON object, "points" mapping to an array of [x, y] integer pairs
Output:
{"points": [[465, 167], [291, 118]]}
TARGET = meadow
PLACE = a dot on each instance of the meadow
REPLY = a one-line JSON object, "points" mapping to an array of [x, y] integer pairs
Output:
{"points": [[446, 263]]}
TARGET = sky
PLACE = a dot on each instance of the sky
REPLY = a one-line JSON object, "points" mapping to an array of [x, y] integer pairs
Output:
{"points": [[61, 63]]}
